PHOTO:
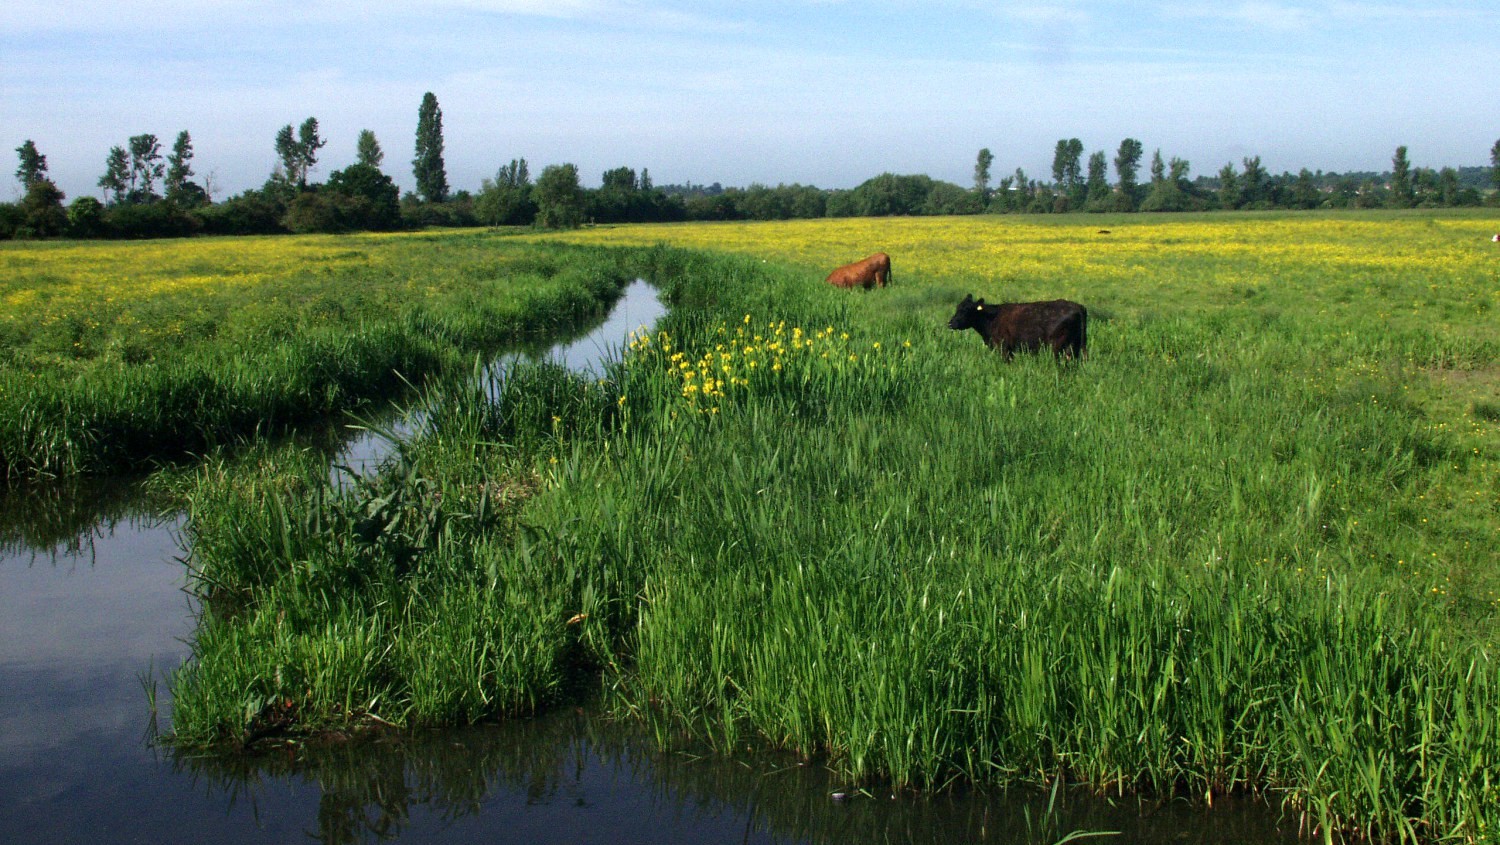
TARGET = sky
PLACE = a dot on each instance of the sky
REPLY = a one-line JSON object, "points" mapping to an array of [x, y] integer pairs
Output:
{"points": [[817, 92]]}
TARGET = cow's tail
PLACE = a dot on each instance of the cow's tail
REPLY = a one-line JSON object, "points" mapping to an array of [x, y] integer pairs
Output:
{"points": [[1083, 332]]}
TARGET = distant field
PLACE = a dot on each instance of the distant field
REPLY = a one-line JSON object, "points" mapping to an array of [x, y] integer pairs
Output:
{"points": [[1432, 274], [1358, 308], [117, 355]]}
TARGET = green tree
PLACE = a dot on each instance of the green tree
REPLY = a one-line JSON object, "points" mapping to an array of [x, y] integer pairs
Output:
{"points": [[1001, 202], [1097, 187], [559, 198], [619, 179], [618, 199], [308, 143], [146, 167], [298, 151], [179, 162], [427, 167], [1170, 190], [365, 197], [1177, 170], [1495, 171], [43, 215], [1229, 188], [1255, 184], [1023, 193], [1448, 187], [982, 175], [116, 178], [33, 166], [1127, 165], [86, 218], [947, 198], [1305, 193], [1067, 171], [1345, 190], [889, 195], [180, 187], [368, 149], [1402, 194], [287, 153], [506, 200]]}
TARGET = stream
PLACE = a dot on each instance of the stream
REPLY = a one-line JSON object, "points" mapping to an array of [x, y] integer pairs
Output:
{"points": [[93, 614]]}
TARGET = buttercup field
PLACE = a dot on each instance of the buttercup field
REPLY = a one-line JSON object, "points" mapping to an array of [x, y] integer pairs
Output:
{"points": [[1245, 546]]}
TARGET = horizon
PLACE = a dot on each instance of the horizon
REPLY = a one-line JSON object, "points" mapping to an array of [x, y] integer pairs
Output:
{"points": [[823, 93]]}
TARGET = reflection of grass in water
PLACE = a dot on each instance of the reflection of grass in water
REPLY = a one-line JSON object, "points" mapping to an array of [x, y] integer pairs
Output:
{"points": [[385, 784], [67, 516], [1179, 567]]}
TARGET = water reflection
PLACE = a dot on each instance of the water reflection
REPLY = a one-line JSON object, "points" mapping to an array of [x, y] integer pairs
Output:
{"points": [[638, 310], [575, 777], [65, 517]]}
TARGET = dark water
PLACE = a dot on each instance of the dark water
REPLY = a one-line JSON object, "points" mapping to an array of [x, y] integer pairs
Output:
{"points": [[92, 609]]}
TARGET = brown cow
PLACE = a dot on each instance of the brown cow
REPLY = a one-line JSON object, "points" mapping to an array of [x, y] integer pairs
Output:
{"points": [[873, 271], [1009, 326]]}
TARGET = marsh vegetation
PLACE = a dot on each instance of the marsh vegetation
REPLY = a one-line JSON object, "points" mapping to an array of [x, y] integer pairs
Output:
{"points": [[1248, 545]]}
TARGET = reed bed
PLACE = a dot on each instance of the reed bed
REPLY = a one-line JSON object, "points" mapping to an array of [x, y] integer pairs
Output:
{"points": [[1202, 561]]}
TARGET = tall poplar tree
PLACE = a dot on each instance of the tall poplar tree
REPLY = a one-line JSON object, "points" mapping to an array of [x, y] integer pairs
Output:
{"points": [[299, 151], [1097, 186], [309, 142], [180, 171], [116, 178], [368, 149], [33, 165], [1401, 188], [1067, 170], [146, 167], [427, 167], [1127, 165], [982, 174]]}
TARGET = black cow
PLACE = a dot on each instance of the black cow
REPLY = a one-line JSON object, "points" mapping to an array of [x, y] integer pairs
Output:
{"points": [[1009, 326]]}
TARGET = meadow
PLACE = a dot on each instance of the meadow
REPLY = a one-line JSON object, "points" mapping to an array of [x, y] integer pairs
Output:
{"points": [[122, 356], [1247, 545]]}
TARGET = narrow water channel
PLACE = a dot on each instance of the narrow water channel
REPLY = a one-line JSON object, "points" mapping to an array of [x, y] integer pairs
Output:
{"points": [[92, 608]]}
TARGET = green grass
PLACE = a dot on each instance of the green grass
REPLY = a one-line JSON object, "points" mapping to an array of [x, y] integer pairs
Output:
{"points": [[1205, 560], [91, 382]]}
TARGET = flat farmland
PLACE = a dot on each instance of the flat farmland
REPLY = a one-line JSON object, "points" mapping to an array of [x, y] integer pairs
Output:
{"points": [[1247, 544]]}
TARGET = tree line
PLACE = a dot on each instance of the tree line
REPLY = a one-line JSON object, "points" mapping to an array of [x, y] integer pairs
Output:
{"points": [[149, 192], [1076, 188]]}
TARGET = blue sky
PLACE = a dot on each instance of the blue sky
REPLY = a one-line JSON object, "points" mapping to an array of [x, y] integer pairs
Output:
{"points": [[822, 92]]}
